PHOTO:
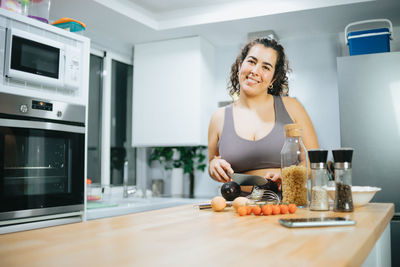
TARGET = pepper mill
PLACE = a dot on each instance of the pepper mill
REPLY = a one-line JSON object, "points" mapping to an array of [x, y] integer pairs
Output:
{"points": [[343, 179]]}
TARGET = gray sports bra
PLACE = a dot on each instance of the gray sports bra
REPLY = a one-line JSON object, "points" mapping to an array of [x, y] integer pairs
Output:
{"points": [[245, 155]]}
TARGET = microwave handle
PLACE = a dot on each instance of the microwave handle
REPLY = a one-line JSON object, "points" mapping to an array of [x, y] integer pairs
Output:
{"points": [[42, 125], [62, 65]]}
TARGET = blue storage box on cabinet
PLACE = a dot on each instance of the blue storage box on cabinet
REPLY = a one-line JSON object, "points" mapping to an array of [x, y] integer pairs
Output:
{"points": [[369, 41]]}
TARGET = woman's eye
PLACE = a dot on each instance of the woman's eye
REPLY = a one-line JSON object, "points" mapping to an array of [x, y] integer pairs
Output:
{"points": [[251, 61], [265, 67]]}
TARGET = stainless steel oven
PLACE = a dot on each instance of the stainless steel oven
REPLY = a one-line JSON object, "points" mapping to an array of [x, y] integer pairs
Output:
{"points": [[41, 158]]}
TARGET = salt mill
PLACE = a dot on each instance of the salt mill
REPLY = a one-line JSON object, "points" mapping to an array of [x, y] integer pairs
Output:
{"points": [[343, 179], [319, 179]]}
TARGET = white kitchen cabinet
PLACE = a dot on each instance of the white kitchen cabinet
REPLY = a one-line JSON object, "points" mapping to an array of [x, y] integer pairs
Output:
{"points": [[173, 92]]}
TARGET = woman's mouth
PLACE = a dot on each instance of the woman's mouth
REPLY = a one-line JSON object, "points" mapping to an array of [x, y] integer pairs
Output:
{"points": [[251, 80]]}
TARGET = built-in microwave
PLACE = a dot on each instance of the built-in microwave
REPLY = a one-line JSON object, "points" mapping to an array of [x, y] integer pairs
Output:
{"points": [[38, 59]]}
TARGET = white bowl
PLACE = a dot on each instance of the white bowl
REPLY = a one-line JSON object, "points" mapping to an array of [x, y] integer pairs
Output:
{"points": [[362, 195]]}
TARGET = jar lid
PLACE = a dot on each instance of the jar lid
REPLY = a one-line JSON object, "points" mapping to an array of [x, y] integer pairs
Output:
{"points": [[318, 155], [344, 154], [293, 130]]}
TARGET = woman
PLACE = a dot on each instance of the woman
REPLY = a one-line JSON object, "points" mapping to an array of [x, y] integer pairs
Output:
{"points": [[247, 136]]}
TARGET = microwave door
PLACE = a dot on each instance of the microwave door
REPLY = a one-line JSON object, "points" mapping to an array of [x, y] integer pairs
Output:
{"points": [[34, 59]]}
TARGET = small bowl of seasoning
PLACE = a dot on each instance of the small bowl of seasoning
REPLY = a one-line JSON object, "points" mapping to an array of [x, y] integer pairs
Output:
{"points": [[362, 195]]}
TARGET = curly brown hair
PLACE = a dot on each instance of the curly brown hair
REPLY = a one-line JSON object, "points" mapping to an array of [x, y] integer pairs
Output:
{"points": [[280, 85]]}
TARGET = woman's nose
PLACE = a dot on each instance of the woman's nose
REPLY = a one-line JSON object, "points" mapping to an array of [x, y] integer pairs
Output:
{"points": [[256, 69]]}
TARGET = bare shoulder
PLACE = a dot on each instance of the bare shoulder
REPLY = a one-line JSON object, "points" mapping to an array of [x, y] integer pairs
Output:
{"points": [[217, 120], [291, 102], [299, 115], [294, 107], [218, 115]]}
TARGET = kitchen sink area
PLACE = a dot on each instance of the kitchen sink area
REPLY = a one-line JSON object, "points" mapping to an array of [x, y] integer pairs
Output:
{"points": [[117, 205]]}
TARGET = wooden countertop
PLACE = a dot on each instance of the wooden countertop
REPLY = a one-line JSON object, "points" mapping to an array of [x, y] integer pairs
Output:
{"points": [[184, 236]]}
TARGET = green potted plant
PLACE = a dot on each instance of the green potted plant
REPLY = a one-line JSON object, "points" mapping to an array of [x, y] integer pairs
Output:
{"points": [[189, 158]]}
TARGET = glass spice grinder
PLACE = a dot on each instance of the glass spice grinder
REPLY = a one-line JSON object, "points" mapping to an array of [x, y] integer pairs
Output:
{"points": [[343, 179], [319, 179]]}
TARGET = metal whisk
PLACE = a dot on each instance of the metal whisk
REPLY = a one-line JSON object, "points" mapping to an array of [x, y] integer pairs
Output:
{"points": [[257, 196], [262, 195]]}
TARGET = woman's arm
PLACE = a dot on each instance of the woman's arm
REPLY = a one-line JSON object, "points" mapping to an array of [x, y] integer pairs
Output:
{"points": [[218, 168], [300, 116]]}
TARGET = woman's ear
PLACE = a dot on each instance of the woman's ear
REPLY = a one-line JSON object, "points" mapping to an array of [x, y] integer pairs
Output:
{"points": [[238, 69]]}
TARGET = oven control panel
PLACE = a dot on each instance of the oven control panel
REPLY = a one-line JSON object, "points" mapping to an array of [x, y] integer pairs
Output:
{"points": [[17, 105], [42, 105]]}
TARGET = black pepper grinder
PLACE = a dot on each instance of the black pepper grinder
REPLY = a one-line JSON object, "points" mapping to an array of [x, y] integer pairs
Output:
{"points": [[343, 179]]}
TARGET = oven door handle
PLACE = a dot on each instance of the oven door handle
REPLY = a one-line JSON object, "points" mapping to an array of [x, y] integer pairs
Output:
{"points": [[42, 125]]}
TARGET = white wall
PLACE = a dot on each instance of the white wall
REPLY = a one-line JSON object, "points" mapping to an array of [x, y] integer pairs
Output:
{"points": [[225, 56], [314, 83]]}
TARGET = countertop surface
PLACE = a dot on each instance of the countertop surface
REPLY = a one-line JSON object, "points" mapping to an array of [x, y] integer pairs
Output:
{"points": [[185, 236], [118, 206]]}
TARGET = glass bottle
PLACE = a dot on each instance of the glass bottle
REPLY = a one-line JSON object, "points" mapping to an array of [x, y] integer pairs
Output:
{"points": [[24, 7], [319, 179], [294, 164], [40, 10], [343, 179]]}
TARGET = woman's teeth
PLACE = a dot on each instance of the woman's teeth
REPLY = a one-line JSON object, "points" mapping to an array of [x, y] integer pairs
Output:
{"points": [[252, 80]]}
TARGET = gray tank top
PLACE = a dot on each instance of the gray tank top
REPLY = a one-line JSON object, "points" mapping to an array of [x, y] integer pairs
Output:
{"points": [[245, 155]]}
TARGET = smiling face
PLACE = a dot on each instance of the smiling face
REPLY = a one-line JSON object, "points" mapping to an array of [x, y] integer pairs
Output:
{"points": [[257, 70]]}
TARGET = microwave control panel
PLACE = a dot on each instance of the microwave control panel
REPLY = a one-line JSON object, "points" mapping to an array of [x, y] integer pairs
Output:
{"points": [[72, 67]]}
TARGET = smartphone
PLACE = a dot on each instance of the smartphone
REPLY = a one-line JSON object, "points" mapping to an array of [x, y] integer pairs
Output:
{"points": [[316, 222]]}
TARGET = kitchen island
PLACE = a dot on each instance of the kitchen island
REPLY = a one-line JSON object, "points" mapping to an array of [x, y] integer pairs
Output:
{"points": [[185, 236]]}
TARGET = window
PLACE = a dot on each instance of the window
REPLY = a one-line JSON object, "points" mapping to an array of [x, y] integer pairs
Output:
{"points": [[121, 123], [94, 121], [110, 119]]}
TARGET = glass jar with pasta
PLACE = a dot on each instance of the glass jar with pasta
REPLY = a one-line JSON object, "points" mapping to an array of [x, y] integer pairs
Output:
{"points": [[294, 164]]}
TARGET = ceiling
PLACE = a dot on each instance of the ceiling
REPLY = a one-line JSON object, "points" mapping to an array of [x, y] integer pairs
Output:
{"points": [[161, 15], [162, 6], [119, 24]]}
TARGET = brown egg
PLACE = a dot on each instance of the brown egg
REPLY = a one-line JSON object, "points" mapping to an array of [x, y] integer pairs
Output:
{"points": [[240, 201], [218, 203]]}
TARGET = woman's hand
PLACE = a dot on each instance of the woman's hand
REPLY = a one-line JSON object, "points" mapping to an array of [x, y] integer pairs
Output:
{"points": [[275, 177], [219, 169]]}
